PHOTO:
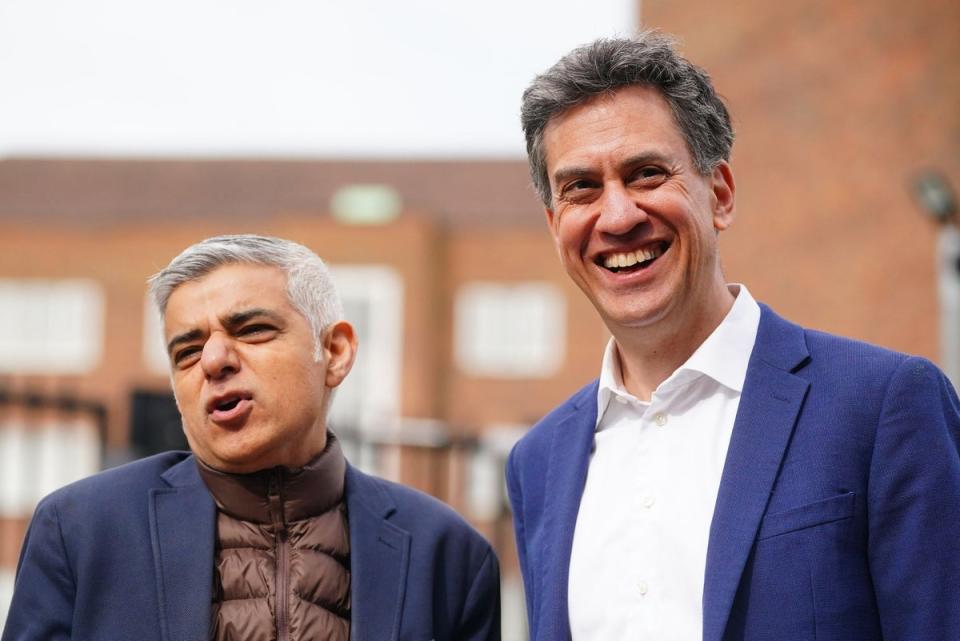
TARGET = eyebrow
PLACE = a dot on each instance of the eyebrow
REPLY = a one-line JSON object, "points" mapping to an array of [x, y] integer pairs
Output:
{"points": [[185, 337], [232, 321], [565, 173], [239, 318]]}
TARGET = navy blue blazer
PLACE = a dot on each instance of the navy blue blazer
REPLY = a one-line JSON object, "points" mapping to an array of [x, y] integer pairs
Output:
{"points": [[838, 514], [127, 555]]}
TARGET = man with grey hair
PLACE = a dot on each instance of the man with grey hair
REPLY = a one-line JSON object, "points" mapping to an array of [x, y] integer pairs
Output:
{"points": [[264, 531], [729, 476]]}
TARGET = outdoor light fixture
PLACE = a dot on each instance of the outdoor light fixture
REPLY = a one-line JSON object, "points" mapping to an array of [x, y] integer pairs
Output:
{"points": [[366, 204], [935, 195]]}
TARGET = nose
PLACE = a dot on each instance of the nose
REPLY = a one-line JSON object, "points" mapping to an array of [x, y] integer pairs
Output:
{"points": [[620, 212], [219, 358]]}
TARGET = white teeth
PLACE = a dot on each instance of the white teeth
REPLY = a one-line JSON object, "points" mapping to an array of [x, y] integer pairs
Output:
{"points": [[629, 259]]}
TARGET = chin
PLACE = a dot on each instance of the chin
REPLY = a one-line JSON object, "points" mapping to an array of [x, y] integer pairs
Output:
{"points": [[238, 459], [635, 317], [242, 465]]}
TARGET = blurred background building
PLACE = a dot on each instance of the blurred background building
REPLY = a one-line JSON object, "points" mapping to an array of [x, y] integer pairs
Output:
{"points": [[846, 113]]}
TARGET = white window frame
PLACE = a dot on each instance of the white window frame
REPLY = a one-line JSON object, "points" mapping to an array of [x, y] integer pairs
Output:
{"points": [[51, 326], [493, 329], [375, 378]]}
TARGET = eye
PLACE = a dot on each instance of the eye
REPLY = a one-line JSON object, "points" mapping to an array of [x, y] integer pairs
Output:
{"points": [[578, 188], [252, 329], [186, 356], [649, 174], [578, 184], [257, 331]]}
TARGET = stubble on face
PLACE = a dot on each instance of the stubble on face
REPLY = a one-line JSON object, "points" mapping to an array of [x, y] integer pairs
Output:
{"points": [[250, 391], [634, 222]]}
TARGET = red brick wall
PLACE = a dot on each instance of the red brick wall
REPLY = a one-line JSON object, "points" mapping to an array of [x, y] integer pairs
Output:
{"points": [[836, 105]]}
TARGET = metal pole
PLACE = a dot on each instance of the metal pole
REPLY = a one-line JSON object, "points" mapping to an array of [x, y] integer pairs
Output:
{"points": [[948, 290]]}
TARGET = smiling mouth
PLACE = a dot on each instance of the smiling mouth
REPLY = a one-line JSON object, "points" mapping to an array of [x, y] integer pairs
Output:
{"points": [[632, 261]]}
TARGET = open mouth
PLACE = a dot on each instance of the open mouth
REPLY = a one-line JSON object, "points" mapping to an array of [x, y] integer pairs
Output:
{"points": [[226, 406], [227, 403], [632, 261]]}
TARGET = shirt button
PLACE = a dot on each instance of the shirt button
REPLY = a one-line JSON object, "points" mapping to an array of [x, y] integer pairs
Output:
{"points": [[643, 588], [648, 501], [620, 400], [660, 419]]}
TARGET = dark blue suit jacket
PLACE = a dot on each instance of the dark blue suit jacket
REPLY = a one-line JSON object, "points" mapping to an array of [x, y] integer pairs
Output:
{"points": [[838, 514], [127, 555]]}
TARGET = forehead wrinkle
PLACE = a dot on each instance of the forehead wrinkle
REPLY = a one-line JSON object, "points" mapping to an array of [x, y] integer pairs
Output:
{"points": [[652, 155], [214, 300]]}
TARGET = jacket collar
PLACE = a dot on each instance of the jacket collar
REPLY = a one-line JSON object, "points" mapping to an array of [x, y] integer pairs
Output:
{"points": [[773, 396], [304, 492], [183, 555], [570, 448], [379, 559], [182, 530]]}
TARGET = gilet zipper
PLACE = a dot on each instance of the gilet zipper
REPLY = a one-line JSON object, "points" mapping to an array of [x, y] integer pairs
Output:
{"points": [[282, 549]]}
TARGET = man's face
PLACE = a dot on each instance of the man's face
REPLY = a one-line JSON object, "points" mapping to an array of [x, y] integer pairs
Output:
{"points": [[633, 220], [251, 394]]}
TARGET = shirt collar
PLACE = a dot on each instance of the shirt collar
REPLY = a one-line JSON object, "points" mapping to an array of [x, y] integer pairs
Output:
{"points": [[723, 356], [611, 378]]}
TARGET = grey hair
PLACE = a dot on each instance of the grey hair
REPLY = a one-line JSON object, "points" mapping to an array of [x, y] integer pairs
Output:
{"points": [[606, 65], [310, 287]]}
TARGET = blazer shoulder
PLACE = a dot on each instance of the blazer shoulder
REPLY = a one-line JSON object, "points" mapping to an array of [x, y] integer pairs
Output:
{"points": [[408, 508], [854, 360], [818, 355], [127, 480], [824, 343], [538, 438]]}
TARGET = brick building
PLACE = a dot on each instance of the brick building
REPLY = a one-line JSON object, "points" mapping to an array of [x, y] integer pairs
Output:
{"points": [[470, 327]]}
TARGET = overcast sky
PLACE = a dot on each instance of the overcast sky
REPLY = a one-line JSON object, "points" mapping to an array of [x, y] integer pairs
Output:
{"points": [[364, 78]]}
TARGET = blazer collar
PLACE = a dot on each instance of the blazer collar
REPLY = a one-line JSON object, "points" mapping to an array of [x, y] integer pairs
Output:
{"points": [[182, 532], [570, 448], [183, 529], [771, 401], [379, 559]]}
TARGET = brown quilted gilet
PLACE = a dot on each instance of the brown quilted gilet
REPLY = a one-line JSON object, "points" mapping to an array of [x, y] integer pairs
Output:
{"points": [[282, 566]]}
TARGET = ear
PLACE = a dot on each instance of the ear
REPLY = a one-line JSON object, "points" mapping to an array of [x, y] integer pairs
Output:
{"points": [[723, 193], [339, 351]]}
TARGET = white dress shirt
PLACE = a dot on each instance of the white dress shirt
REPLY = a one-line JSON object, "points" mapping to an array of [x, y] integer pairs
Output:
{"points": [[640, 544]]}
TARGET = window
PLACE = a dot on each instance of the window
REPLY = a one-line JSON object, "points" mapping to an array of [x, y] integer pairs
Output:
{"points": [[50, 326], [510, 330], [372, 298], [39, 455], [154, 352]]}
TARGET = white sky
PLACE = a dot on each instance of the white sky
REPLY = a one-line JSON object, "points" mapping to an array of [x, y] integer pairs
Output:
{"points": [[372, 78]]}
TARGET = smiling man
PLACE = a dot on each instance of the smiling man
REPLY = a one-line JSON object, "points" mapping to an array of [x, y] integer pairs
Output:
{"points": [[729, 476], [264, 532]]}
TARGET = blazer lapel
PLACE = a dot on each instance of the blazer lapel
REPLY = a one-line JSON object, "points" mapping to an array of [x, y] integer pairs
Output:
{"points": [[566, 476], [182, 532], [771, 400], [379, 559]]}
